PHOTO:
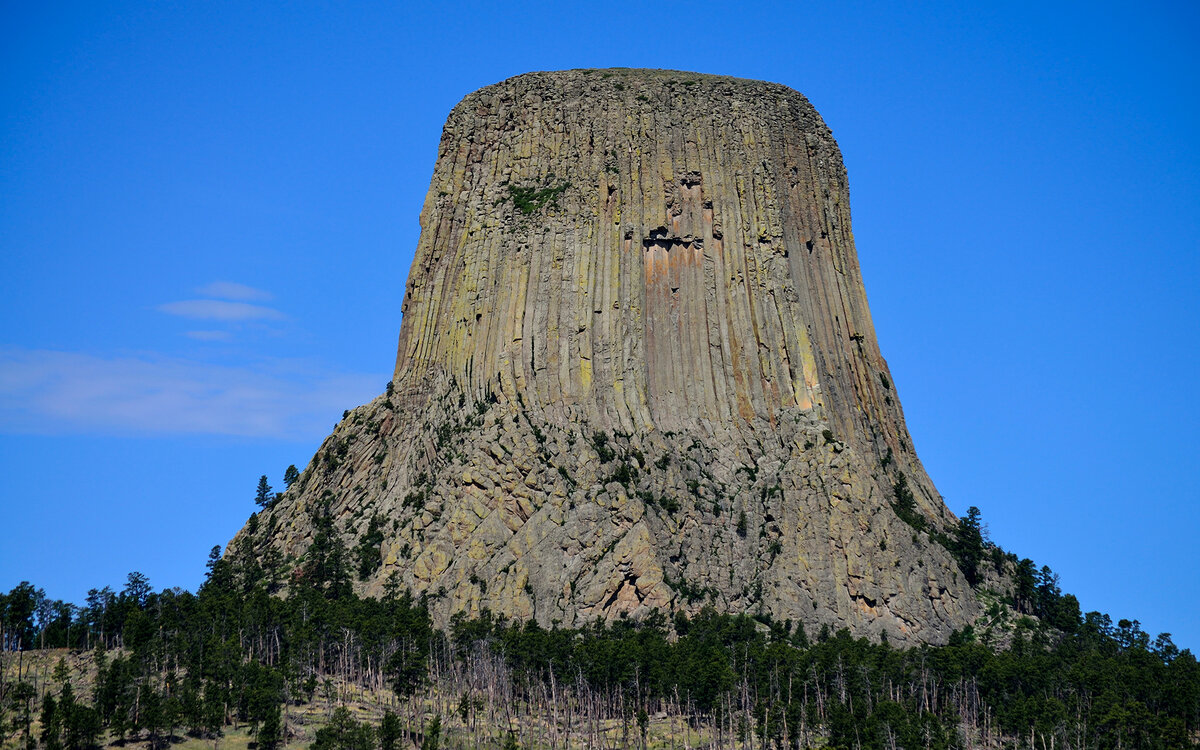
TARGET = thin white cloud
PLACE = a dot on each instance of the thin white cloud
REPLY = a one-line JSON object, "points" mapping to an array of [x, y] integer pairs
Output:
{"points": [[234, 291], [51, 392], [227, 312], [209, 335]]}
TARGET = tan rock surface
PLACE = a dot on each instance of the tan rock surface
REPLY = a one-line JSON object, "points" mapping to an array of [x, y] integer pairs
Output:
{"points": [[664, 261]]}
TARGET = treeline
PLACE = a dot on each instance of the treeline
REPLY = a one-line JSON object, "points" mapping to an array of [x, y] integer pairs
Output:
{"points": [[748, 678], [234, 653], [1034, 592]]}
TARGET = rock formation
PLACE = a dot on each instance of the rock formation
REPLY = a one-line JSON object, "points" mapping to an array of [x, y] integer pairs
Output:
{"points": [[637, 372]]}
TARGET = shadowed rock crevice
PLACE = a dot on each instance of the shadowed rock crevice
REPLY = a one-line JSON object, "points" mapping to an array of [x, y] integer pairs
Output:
{"points": [[637, 371]]}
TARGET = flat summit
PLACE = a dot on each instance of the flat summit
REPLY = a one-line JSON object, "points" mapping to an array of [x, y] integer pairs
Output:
{"points": [[636, 373]]}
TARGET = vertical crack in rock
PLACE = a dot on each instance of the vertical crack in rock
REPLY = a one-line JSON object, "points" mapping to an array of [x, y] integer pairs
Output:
{"points": [[637, 372]]}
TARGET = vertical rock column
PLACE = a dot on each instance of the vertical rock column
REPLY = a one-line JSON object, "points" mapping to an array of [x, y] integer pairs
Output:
{"points": [[637, 372]]}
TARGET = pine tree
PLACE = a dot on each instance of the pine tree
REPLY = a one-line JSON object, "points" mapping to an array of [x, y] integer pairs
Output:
{"points": [[290, 476], [327, 567], [51, 723], [344, 733], [968, 544], [263, 495], [21, 701], [905, 504], [270, 731], [82, 727], [150, 708], [433, 734], [61, 674], [389, 731], [369, 552]]}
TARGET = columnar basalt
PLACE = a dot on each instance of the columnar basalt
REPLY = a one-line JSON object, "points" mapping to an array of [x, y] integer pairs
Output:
{"points": [[637, 372]]}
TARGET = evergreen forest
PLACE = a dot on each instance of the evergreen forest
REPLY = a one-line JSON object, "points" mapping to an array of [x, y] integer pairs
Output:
{"points": [[324, 668]]}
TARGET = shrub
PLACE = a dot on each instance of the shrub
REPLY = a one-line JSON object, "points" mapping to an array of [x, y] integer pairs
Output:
{"points": [[531, 200], [600, 443]]}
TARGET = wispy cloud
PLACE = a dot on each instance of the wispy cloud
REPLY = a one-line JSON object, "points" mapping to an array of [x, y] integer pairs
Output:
{"points": [[234, 291], [219, 310], [209, 335], [52, 392]]}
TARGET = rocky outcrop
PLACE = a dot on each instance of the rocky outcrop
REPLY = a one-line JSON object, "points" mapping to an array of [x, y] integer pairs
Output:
{"points": [[637, 372]]}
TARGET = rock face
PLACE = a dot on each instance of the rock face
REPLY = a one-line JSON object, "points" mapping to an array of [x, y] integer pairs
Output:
{"points": [[637, 372]]}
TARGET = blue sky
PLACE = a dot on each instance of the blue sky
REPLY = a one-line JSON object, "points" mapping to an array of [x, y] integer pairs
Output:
{"points": [[208, 212]]}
